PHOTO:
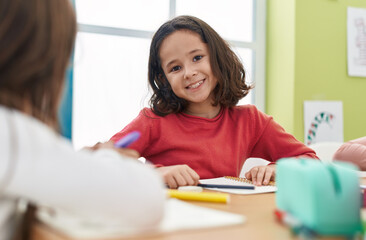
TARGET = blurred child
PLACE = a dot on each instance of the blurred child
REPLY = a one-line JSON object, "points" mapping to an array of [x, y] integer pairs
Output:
{"points": [[194, 128], [36, 163], [353, 151]]}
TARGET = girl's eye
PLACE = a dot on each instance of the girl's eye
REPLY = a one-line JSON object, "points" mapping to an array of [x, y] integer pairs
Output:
{"points": [[197, 58], [176, 68]]}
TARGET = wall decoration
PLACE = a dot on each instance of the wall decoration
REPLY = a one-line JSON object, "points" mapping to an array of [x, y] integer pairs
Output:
{"points": [[356, 41], [323, 121]]}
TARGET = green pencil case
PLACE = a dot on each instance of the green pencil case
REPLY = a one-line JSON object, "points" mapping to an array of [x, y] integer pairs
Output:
{"points": [[325, 197]]}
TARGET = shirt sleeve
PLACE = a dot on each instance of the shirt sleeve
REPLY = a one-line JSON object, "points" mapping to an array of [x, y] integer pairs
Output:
{"points": [[96, 184], [275, 143], [143, 123]]}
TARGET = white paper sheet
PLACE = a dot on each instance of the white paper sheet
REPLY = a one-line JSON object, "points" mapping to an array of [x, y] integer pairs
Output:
{"points": [[179, 215], [323, 121], [356, 44]]}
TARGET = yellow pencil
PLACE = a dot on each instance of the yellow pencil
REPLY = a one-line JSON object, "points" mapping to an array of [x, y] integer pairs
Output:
{"points": [[199, 196]]}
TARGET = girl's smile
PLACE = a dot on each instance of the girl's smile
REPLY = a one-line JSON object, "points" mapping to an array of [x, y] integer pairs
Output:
{"points": [[195, 85]]}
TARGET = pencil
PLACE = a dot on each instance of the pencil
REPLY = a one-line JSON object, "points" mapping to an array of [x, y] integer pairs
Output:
{"points": [[199, 196], [225, 186]]}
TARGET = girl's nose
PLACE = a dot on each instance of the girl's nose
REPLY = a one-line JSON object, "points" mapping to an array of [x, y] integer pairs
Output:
{"points": [[189, 72]]}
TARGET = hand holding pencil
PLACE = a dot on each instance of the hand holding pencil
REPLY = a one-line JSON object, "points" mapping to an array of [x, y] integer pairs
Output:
{"points": [[128, 139], [110, 145], [121, 145]]}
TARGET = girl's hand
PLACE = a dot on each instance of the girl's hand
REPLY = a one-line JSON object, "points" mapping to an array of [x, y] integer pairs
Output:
{"points": [[178, 175], [261, 175], [110, 145]]}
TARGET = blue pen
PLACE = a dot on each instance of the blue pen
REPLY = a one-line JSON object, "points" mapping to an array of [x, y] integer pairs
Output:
{"points": [[128, 139]]}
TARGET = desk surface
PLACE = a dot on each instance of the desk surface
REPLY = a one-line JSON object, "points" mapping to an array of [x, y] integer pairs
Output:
{"points": [[260, 224]]}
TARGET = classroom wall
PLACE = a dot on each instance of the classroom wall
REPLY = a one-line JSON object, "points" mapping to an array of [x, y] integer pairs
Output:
{"points": [[307, 60]]}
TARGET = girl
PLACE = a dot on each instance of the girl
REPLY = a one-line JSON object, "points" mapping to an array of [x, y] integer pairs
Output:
{"points": [[194, 128], [36, 163]]}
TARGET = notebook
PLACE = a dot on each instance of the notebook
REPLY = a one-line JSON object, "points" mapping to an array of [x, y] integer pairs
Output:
{"points": [[178, 215], [361, 174], [238, 181]]}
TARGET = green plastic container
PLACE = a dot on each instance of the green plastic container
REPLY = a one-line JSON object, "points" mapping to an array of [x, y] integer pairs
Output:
{"points": [[325, 197]]}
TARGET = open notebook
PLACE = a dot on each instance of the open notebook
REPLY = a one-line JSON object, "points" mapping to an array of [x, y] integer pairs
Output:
{"points": [[179, 215], [237, 181]]}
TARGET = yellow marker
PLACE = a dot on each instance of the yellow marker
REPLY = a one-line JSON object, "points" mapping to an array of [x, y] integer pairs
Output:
{"points": [[199, 196]]}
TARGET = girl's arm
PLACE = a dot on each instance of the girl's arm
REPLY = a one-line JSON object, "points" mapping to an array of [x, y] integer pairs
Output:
{"points": [[272, 144], [275, 143], [143, 124]]}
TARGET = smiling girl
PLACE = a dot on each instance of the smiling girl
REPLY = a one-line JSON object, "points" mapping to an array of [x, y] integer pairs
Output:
{"points": [[194, 129]]}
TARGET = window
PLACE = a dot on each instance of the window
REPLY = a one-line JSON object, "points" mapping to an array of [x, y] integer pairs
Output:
{"points": [[111, 55]]}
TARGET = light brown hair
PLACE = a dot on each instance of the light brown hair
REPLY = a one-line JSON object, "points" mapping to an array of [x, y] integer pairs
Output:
{"points": [[226, 66], [36, 40]]}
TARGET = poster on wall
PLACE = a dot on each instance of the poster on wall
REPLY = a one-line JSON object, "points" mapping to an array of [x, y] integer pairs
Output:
{"points": [[323, 121], [356, 41]]}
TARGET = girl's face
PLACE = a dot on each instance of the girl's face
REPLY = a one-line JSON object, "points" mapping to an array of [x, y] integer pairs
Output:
{"points": [[185, 60]]}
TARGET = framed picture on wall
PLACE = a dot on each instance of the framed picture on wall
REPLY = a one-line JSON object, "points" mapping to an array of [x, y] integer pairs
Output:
{"points": [[356, 41], [323, 121]]}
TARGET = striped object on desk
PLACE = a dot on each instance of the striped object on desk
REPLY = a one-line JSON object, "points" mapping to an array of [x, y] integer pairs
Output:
{"points": [[239, 179]]}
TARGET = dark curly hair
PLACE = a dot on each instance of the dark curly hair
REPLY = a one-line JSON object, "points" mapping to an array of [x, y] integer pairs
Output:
{"points": [[226, 66]]}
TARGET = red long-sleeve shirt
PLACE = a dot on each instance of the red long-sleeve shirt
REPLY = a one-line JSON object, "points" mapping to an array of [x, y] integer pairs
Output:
{"points": [[213, 147]]}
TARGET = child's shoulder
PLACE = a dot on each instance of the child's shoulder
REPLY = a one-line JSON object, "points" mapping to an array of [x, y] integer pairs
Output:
{"points": [[149, 113], [247, 108], [248, 111]]}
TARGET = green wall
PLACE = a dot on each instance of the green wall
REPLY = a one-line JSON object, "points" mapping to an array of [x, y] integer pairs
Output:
{"points": [[307, 60]]}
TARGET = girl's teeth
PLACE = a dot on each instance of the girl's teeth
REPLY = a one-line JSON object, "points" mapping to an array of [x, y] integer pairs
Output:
{"points": [[196, 85]]}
